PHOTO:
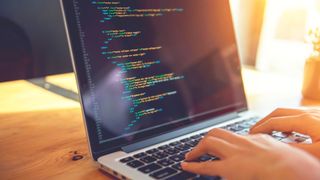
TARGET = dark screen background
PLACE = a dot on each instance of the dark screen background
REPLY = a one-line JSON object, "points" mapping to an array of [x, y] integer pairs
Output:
{"points": [[148, 67]]}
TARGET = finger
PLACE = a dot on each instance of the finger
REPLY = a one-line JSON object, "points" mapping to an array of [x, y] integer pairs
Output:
{"points": [[209, 168], [279, 112], [282, 124], [213, 146], [225, 135]]}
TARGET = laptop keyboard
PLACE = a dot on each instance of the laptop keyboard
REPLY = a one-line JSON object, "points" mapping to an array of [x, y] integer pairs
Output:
{"points": [[164, 162]]}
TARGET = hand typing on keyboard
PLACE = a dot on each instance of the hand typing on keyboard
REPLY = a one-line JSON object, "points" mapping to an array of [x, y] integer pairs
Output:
{"points": [[293, 120], [261, 156]]}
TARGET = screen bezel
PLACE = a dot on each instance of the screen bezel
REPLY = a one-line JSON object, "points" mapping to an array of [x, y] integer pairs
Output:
{"points": [[97, 149]]}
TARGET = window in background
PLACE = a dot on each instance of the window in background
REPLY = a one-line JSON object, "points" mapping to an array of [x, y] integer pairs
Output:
{"points": [[283, 47], [248, 18]]}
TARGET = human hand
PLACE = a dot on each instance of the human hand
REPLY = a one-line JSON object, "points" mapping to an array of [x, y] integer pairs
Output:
{"points": [[250, 157], [293, 120]]}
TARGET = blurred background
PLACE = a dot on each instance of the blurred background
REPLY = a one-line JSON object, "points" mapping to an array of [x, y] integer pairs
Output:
{"points": [[271, 36], [32, 39]]}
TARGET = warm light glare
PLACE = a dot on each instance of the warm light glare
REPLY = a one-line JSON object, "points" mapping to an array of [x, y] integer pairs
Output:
{"points": [[300, 14], [283, 45]]}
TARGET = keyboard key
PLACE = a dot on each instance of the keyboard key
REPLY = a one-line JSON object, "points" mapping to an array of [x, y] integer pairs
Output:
{"points": [[165, 162], [171, 151], [207, 178], [163, 147], [125, 160], [239, 127], [196, 136], [213, 158], [204, 158], [252, 121], [197, 141], [135, 164], [163, 173], [234, 128], [300, 139], [192, 143], [242, 126], [177, 167], [177, 158], [160, 155], [278, 138], [175, 143], [182, 175], [249, 123], [148, 159], [185, 140], [139, 155], [203, 134], [246, 125], [184, 153], [182, 147], [280, 134], [300, 135], [243, 132], [152, 151], [149, 168]]}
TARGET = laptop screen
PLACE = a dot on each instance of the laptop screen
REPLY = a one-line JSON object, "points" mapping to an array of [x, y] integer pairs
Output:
{"points": [[147, 67]]}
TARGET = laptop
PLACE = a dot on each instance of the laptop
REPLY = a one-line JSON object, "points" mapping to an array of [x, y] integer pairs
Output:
{"points": [[154, 77]]}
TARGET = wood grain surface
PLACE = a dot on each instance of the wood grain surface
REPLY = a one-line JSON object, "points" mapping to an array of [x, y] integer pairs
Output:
{"points": [[45, 145]]}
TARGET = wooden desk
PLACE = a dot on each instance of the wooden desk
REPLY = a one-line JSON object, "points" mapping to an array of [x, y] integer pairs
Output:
{"points": [[42, 134]]}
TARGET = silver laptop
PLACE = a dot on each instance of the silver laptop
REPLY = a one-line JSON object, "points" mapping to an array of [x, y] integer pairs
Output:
{"points": [[154, 76]]}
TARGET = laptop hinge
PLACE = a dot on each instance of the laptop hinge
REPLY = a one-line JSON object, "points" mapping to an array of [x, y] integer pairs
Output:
{"points": [[180, 132]]}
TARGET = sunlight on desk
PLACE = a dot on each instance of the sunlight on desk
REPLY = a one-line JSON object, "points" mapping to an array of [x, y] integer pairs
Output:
{"points": [[22, 96], [67, 81]]}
